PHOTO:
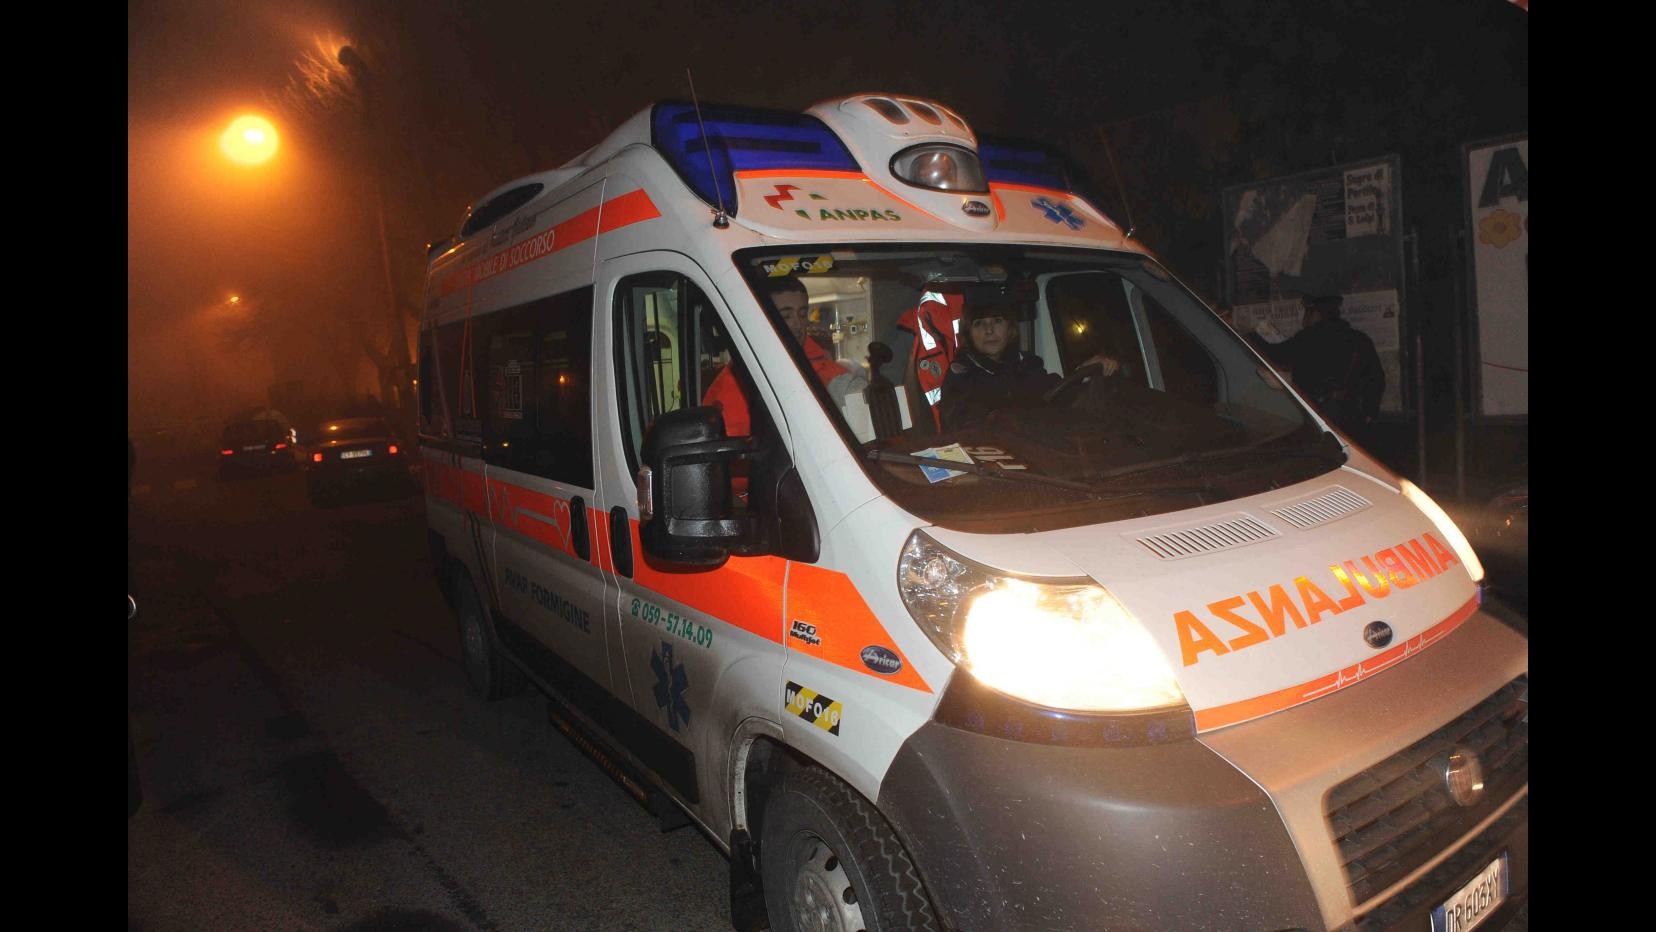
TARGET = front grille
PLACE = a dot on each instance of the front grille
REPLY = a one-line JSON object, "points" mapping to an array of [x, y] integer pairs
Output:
{"points": [[1397, 815], [1433, 886]]}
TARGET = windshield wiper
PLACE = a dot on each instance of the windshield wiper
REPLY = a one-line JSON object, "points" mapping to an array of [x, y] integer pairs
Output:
{"points": [[1091, 491], [995, 472], [1313, 449]]}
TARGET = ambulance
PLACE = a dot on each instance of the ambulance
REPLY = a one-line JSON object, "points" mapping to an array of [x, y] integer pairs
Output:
{"points": [[1151, 649]]}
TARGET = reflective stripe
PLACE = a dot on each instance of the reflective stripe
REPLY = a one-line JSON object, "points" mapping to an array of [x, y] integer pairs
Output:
{"points": [[926, 339], [829, 600], [934, 395]]}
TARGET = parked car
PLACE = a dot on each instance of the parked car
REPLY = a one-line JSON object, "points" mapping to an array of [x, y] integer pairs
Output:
{"points": [[356, 453], [262, 444], [1500, 534]]}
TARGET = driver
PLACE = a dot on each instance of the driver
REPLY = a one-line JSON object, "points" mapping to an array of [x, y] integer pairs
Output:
{"points": [[991, 372]]}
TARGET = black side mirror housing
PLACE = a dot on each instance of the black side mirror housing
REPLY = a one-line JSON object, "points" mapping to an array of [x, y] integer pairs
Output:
{"points": [[686, 512], [688, 516]]}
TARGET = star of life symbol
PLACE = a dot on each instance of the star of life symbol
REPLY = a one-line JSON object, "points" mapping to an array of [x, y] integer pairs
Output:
{"points": [[1058, 213], [670, 684]]}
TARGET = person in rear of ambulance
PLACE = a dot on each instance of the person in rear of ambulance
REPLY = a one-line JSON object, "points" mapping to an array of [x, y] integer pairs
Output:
{"points": [[793, 306]]}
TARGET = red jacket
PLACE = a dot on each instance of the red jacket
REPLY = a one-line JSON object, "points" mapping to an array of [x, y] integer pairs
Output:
{"points": [[726, 394], [935, 323]]}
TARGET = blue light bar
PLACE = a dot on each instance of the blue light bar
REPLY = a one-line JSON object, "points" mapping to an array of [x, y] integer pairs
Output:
{"points": [[741, 139], [1019, 162]]}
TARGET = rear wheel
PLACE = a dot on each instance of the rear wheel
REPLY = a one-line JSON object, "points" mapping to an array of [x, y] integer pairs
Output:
{"points": [[832, 863], [488, 672]]}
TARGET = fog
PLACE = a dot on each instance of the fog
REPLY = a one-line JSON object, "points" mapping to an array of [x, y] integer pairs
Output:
{"points": [[1190, 95]]}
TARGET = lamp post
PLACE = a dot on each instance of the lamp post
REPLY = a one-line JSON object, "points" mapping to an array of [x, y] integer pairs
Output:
{"points": [[398, 350]]}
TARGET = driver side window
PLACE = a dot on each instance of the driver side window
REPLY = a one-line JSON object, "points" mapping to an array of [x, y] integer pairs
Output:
{"points": [[675, 353]]}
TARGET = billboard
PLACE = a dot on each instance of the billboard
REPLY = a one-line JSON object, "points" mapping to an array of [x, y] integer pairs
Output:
{"points": [[1335, 230], [1497, 200]]}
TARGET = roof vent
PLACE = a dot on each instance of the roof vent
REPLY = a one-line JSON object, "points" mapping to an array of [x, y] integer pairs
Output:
{"points": [[887, 109]]}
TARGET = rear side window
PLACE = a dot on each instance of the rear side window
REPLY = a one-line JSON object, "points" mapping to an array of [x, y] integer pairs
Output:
{"points": [[532, 368], [431, 424], [488, 213], [457, 380]]}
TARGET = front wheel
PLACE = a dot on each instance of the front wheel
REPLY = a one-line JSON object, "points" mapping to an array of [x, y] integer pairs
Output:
{"points": [[488, 672], [831, 862]]}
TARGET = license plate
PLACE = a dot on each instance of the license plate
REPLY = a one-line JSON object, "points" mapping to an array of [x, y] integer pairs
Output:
{"points": [[353, 454], [254, 448], [1476, 901]]}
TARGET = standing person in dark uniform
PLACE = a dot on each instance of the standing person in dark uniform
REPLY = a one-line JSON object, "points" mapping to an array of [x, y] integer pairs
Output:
{"points": [[991, 372], [1335, 365]]}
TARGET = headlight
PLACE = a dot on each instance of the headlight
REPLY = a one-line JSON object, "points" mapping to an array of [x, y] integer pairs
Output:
{"points": [[1066, 644], [1452, 534]]}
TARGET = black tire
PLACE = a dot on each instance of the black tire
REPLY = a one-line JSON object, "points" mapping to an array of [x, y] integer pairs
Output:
{"points": [[489, 674], [135, 785], [831, 862]]}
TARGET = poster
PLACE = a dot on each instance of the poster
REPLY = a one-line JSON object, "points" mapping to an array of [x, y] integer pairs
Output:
{"points": [[1497, 191]]}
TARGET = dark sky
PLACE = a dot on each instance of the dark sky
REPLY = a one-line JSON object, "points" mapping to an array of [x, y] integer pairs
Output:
{"points": [[481, 91]]}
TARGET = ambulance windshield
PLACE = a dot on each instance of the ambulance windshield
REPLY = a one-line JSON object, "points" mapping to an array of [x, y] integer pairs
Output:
{"points": [[1072, 385]]}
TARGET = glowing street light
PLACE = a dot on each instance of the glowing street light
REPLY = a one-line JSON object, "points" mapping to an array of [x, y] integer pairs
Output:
{"points": [[250, 140]]}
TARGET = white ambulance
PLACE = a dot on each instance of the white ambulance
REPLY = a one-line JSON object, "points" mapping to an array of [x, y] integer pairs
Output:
{"points": [[1101, 627]]}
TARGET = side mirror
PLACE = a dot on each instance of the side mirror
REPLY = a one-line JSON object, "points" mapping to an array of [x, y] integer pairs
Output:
{"points": [[685, 510]]}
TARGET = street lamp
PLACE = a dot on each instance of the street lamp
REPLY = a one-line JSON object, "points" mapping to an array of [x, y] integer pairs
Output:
{"points": [[398, 349], [249, 139]]}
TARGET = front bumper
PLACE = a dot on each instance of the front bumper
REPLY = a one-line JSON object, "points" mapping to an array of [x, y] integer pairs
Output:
{"points": [[1227, 831], [1024, 836]]}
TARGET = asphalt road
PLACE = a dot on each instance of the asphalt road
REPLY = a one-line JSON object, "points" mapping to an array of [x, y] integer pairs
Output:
{"points": [[311, 758]]}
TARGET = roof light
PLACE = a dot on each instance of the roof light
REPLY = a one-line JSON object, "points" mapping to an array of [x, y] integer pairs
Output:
{"points": [[940, 167], [1019, 162], [741, 139]]}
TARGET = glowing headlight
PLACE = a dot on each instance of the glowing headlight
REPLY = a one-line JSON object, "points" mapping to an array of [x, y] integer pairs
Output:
{"points": [[1068, 645], [1452, 534]]}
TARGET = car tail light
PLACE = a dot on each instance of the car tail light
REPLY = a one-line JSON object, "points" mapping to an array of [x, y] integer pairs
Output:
{"points": [[227, 453], [316, 457], [281, 446], [393, 449]]}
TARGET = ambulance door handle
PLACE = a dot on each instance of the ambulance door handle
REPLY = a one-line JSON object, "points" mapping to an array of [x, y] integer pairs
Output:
{"points": [[579, 538], [621, 541]]}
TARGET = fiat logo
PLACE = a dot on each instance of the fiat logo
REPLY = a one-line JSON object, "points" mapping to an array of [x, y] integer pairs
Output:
{"points": [[1463, 776], [1378, 634], [975, 209]]}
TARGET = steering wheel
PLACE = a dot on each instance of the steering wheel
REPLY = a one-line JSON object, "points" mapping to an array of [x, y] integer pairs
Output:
{"points": [[1077, 377]]}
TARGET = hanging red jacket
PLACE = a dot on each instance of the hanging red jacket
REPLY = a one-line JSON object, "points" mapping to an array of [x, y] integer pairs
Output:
{"points": [[935, 322]]}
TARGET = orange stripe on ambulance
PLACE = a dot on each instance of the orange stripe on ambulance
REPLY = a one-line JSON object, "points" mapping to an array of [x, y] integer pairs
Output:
{"points": [[1303, 602]]}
